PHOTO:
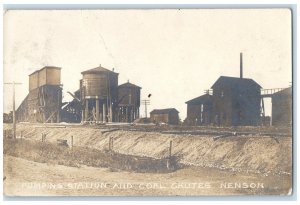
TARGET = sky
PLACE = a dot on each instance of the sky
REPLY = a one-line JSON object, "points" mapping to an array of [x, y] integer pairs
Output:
{"points": [[173, 54]]}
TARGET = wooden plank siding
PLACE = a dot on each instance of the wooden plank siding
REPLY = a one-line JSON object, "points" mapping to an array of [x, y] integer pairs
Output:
{"points": [[282, 107], [168, 116]]}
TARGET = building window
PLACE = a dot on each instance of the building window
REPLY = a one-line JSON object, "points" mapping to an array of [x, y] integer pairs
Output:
{"points": [[222, 93]]}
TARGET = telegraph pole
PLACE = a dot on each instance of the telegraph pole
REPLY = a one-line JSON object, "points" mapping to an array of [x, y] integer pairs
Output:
{"points": [[14, 107], [146, 102]]}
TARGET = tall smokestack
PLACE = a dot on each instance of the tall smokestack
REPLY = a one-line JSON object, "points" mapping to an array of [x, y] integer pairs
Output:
{"points": [[241, 65]]}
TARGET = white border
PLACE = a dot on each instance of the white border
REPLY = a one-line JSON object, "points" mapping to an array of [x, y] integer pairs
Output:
{"points": [[138, 3]]}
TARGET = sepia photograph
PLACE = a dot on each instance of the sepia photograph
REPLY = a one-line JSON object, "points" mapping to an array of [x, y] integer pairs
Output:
{"points": [[148, 102]]}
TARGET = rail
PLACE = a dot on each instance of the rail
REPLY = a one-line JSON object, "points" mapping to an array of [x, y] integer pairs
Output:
{"points": [[270, 91]]}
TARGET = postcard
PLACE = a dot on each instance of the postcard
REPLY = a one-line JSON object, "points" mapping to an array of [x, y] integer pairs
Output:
{"points": [[148, 102]]}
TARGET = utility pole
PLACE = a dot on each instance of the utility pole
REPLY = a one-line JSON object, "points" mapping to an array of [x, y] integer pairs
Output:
{"points": [[14, 109], [146, 102]]}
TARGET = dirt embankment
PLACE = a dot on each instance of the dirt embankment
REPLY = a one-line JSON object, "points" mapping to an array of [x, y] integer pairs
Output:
{"points": [[46, 152], [260, 154]]}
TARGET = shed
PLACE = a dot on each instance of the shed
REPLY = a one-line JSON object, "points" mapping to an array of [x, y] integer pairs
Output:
{"points": [[168, 116]]}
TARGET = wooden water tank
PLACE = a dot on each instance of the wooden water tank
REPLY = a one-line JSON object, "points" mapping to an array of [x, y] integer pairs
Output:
{"points": [[99, 83]]}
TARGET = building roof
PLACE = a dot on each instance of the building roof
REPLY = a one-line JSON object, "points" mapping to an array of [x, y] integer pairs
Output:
{"points": [[201, 99], [163, 111], [98, 69], [235, 82], [128, 84], [45, 67]]}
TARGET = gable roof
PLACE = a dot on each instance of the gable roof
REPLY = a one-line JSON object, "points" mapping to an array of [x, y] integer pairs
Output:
{"points": [[163, 111], [98, 70], [128, 84], [235, 82], [201, 99]]}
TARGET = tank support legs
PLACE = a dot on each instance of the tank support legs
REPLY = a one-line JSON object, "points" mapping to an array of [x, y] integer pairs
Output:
{"points": [[97, 110], [86, 111], [104, 112]]}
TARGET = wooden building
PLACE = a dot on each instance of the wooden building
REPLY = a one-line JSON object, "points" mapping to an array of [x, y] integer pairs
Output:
{"points": [[168, 116], [99, 95], [236, 101], [129, 97], [48, 75], [43, 102], [199, 110], [282, 107]]}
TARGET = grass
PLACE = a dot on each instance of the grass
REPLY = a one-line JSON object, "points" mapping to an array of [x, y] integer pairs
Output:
{"points": [[46, 152]]}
